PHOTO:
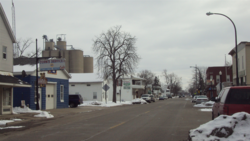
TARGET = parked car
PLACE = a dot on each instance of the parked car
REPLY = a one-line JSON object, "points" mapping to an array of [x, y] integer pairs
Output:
{"points": [[152, 98], [169, 96], [231, 100], [161, 98], [199, 100], [75, 100], [146, 97], [200, 96]]}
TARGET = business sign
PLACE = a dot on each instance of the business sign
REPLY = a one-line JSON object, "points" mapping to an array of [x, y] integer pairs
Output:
{"points": [[52, 64], [126, 85]]}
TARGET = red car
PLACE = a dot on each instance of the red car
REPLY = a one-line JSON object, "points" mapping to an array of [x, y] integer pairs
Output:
{"points": [[232, 100]]}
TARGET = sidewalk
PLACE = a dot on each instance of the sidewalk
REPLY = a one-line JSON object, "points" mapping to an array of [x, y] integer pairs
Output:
{"points": [[25, 117]]}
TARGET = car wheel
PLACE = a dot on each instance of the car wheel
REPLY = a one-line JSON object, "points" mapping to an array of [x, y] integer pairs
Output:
{"points": [[212, 115], [76, 105], [71, 105]]}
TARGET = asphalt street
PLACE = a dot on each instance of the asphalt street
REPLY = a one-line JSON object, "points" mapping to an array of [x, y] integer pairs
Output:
{"points": [[168, 120]]}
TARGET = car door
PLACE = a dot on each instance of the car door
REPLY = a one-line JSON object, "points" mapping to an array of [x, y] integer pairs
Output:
{"points": [[217, 103], [222, 101]]}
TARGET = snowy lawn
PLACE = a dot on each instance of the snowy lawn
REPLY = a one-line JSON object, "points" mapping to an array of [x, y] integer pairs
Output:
{"points": [[223, 128], [18, 110], [205, 104]]}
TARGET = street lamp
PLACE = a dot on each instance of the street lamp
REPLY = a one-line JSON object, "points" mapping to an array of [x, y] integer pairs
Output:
{"points": [[211, 92], [220, 80], [236, 50]]}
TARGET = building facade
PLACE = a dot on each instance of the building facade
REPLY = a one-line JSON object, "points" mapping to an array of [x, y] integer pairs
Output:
{"points": [[243, 49], [213, 78], [7, 80], [127, 89], [54, 96], [88, 85]]}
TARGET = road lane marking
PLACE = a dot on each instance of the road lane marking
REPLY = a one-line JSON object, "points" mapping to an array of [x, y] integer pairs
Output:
{"points": [[116, 125]]}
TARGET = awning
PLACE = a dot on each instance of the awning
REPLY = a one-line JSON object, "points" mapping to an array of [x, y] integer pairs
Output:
{"points": [[12, 81]]}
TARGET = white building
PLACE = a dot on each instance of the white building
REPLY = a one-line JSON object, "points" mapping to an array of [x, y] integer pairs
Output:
{"points": [[7, 80], [88, 85], [127, 89], [243, 63]]}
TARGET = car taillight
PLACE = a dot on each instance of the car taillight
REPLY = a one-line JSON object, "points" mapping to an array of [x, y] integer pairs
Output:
{"points": [[226, 110]]}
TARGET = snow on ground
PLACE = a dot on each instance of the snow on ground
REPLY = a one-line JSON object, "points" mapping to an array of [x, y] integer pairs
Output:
{"points": [[187, 99], [104, 104], [224, 128], [17, 110], [206, 110], [205, 104], [112, 104], [11, 127]]}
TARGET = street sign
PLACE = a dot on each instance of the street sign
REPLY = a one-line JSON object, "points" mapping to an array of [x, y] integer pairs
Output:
{"points": [[105, 87]]}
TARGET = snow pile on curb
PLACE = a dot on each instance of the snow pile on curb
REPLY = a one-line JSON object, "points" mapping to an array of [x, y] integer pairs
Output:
{"points": [[205, 104], [17, 110], [44, 114], [104, 104], [139, 101], [3, 122], [229, 128]]}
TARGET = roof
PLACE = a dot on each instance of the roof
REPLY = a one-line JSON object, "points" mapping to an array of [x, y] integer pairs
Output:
{"points": [[7, 25], [12, 81], [29, 69], [85, 78]]}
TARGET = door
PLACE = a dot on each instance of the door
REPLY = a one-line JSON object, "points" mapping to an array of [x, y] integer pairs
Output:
{"points": [[50, 92]]}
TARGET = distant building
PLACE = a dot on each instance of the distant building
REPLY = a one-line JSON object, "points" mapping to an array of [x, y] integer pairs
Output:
{"points": [[76, 62], [243, 63], [88, 85], [214, 78]]}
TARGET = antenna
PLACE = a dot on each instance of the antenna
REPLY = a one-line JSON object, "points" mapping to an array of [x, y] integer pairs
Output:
{"points": [[15, 50]]}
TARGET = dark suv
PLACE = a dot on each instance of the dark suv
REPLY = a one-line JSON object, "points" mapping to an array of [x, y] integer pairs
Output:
{"points": [[75, 100], [232, 100]]}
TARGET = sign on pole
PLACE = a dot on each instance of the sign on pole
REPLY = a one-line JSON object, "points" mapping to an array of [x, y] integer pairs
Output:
{"points": [[105, 87]]}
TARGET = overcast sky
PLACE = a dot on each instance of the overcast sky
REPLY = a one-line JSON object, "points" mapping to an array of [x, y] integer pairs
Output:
{"points": [[171, 34]]}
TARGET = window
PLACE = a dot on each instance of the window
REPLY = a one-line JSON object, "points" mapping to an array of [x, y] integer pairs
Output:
{"points": [[72, 85], [4, 52], [62, 93], [242, 63], [228, 78], [88, 84], [211, 77], [224, 96], [7, 96], [95, 95], [217, 78]]}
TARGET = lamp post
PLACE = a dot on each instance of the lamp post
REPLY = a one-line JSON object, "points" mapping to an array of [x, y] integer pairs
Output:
{"points": [[211, 92], [236, 50], [220, 80]]}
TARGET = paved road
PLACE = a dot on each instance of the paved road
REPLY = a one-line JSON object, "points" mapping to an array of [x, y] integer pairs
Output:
{"points": [[168, 120]]}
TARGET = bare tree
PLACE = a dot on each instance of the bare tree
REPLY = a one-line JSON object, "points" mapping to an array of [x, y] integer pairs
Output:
{"points": [[116, 55], [23, 45], [173, 81], [148, 76]]}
